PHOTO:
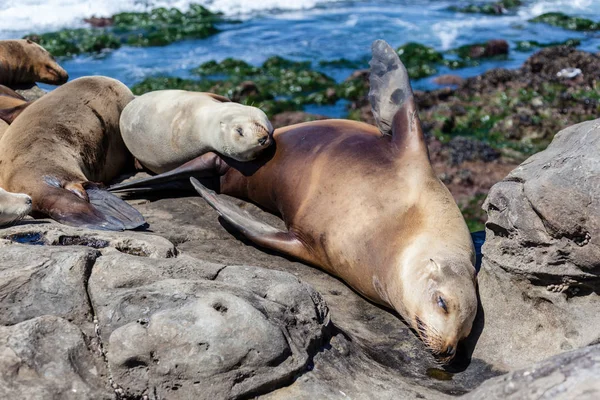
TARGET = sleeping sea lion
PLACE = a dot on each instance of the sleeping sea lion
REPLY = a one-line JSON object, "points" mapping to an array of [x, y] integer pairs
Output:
{"points": [[23, 62], [13, 207], [166, 128], [363, 204], [63, 144]]}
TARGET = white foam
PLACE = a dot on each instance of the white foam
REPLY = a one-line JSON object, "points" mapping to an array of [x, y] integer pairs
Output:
{"points": [[24, 16]]}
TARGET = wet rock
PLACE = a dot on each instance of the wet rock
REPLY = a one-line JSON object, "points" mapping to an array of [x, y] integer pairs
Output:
{"points": [[47, 358], [98, 22], [466, 149], [191, 329], [448, 80], [55, 234], [540, 279], [572, 375]]}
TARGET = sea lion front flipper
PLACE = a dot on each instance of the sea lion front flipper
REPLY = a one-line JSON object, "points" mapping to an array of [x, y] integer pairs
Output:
{"points": [[8, 115], [204, 166], [259, 232], [105, 211]]}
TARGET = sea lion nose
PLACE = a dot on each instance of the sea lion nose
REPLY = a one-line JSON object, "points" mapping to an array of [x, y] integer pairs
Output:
{"points": [[450, 350], [263, 140], [28, 201]]}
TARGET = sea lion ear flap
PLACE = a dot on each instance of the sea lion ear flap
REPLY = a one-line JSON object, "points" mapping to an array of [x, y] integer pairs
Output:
{"points": [[8, 115], [391, 96]]}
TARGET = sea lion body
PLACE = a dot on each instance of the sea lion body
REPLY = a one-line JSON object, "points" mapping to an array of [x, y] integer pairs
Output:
{"points": [[166, 128], [62, 144], [361, 203], [13, 207], [23, 62]]}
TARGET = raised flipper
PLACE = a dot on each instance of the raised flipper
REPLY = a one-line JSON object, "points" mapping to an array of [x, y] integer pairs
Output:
{"points": [[258, 232], [392, 100], [104, 211], [206, 165]]}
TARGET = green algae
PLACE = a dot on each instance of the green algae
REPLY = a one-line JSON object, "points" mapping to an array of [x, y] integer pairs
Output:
{"points": [[158, 27], [277, 85], [496, 8], [567, 22], [528, 45], [420, 60], [70, 42]]}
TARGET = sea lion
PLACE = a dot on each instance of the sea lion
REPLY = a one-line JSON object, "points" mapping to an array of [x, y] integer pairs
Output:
{"points": [[23, 62], [166, 128], [13, 207], [11, 108], [363, 204], [61, 145]]}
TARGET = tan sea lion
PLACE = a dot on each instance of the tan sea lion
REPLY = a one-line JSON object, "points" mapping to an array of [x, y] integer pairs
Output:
{"points": [[13, 207], [24, 62], [11, 108], [166, 128], [61, 145], [363, 204]]}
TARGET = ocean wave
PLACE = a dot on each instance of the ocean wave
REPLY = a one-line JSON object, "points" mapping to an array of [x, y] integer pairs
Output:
{"points": [[24, 16]]}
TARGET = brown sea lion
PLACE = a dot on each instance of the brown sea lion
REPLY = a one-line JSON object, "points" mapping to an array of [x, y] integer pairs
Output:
{"points": [[61, 145], [363, 204], [23, 62]]}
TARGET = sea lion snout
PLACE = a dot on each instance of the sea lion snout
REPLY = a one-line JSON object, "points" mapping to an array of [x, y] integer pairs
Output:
{"points": [[13, 206]]}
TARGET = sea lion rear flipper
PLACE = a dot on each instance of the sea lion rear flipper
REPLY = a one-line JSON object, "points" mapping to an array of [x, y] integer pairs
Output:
{"points": [[392, 100], [105, 211], [8, 115], [206, 165], [259, 232]]}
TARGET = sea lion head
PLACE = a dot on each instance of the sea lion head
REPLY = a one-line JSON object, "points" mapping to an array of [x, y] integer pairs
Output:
{"points": [[245, 131], [439, 300], [45, 67], [13, 207]]}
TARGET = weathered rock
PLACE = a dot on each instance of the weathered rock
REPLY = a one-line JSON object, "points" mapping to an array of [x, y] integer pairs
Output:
{"points": [[572, 375], [47, 358], [54, 234], [36, 281], [31, 93], [183, 328], [540, 280]]}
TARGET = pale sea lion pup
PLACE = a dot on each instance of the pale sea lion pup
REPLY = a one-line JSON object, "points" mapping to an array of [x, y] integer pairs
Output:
{"points": [[62, 146], [24, 62], [363, 204], [166, 128], [13, 207]]}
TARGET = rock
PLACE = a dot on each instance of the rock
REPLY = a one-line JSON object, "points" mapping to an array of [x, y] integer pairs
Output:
{"points": [[495, 47], [55, 234], [31, 93], [183, 328], [539, 282], [99, 22], [448, 80], [36, 281], [47, 358], [572, 375]]}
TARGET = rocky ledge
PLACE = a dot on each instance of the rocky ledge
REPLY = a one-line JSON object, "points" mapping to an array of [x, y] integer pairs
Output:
{"points": [[186, 310]]}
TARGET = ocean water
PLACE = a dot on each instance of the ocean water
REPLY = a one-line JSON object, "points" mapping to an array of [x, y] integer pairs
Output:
{"points": [[298, 29]]}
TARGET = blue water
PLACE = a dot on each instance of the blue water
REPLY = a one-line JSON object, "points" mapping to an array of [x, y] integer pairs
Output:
{"points": [[307, 30]]}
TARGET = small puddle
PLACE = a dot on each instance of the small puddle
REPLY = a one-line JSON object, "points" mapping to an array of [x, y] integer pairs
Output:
{"points": [[35, 238], [439, 374]]}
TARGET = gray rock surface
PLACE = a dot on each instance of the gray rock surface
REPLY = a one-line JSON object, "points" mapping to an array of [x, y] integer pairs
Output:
{"points": [[569, 376], [47, 358], [539, 282]]}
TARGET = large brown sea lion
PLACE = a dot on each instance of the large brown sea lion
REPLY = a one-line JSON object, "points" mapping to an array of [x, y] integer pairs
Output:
{"points": [[363, 204], [11, 105], [23, 62], [61, 145]]}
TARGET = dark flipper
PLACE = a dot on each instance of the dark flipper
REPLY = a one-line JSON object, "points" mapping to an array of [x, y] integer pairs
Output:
{"points": [[259, 232], [105, 211], [392, 100], [207, 165], [10, 114]]}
